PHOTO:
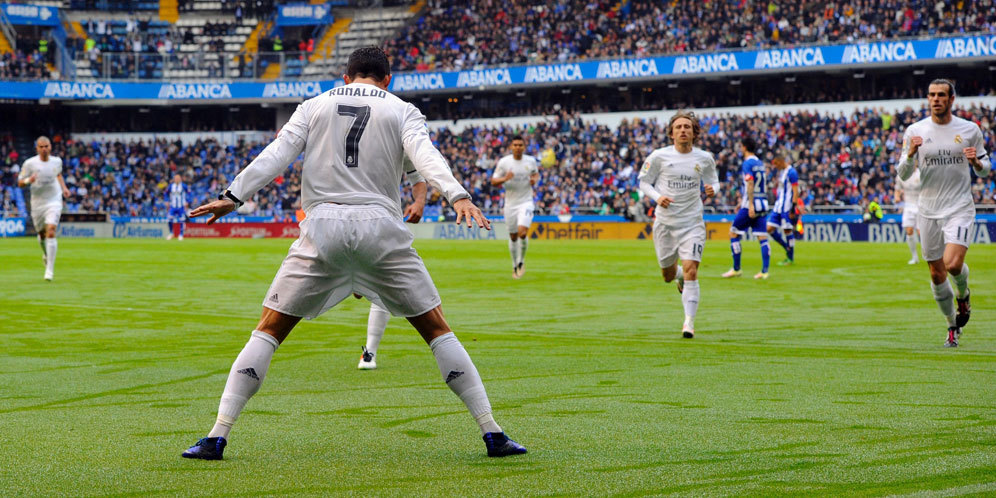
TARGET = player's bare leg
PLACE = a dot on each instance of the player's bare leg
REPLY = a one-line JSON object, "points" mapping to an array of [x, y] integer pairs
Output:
{"points": [[954, 264], [461, 376], [523, 234], [911, 240], [688, 285], [513, 249], [244, 380], [51, 247]]}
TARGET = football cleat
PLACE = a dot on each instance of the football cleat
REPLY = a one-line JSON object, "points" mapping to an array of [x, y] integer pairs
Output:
{"points": [[964, 310], [521, 269], [515, 272], [208, 448], [169, 236], [761, 276], [687, 333], [499, 445], [786, 262], [49, 275], [953, 334], [913, 261], [367, 361], [180, 237], [733, 273]]}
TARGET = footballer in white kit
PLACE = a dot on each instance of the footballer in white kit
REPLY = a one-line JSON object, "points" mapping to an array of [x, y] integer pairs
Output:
{"points": [[517, 172], [353, 240], [673, 177], [945, 149], [908, 191], [43, 173]]}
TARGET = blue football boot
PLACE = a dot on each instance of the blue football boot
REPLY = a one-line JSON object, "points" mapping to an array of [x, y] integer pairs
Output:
{"points": [[500, 445], [208, 448]]}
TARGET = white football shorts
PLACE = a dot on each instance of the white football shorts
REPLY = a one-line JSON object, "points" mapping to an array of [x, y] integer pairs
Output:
{"points": [[909, 215], [936, 233], [672, 243], [519, 216], [48, 214], [345, 249]]}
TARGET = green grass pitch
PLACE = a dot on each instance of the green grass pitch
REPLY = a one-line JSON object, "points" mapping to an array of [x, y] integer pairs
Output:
{"points": [[829, 378]]}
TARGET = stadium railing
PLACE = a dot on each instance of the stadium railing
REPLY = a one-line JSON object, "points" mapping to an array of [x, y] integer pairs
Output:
{"points": [[182, 66]]}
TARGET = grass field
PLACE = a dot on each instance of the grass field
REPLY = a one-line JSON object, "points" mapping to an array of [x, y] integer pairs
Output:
{"points": [[827, 379]]}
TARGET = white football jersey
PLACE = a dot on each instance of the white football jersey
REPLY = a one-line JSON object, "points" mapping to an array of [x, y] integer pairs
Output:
{"points": [[354, 138], [518, 190], [910, 188], [680, 177], [46, 190], [945, 181]]}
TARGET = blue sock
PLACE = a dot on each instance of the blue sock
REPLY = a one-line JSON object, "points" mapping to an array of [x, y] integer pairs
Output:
{"points": [[170, 228], [735, 249], [765, 255], [790, 239], [182, 226], [778, 238]]}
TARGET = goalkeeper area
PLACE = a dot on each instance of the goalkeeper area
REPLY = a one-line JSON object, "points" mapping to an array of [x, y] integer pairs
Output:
{"points": [[829, 378]]}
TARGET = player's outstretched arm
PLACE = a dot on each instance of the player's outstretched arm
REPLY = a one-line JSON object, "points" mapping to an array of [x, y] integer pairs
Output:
{"points": [[217, 209], [467, 210]]}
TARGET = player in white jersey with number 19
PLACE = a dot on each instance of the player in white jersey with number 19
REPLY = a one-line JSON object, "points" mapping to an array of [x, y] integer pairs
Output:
{"points": [[354, 138], [945, 148], [673, 177], [908, 191], [517, 172], [44, 174]]}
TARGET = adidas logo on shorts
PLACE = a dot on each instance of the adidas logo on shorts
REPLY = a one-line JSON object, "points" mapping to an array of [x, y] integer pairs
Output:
{"points": [[275, 298]]}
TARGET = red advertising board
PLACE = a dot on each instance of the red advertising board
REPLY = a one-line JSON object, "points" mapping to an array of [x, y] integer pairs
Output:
{"points": [[243, 230]]}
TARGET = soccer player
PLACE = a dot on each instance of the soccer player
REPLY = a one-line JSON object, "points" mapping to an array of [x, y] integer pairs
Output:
{"points": [[781, 213], [753, 206], [378, 317], [518, 173], [176, 196], [353, 241], [673, 177], [44, 173], [908, 191], [944, 147]]}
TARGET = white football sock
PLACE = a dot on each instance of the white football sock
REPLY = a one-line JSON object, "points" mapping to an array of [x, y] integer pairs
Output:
{"points": [[911, 242], [376, 323], [523, 244], [51, 247], [244, 379], [961, 281], [679, 273], [513, 250], [461, 376], [41, 242], [690, 298], [945, 300]]}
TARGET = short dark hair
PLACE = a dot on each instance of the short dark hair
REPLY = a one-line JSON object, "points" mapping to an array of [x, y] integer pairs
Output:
{"points": [[750, 145], [368, 62], [517, 137], [942, 81]]}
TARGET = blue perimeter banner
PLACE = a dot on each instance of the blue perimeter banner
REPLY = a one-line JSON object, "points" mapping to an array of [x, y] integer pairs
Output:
{"points": [[36, 15], [904, 51]]}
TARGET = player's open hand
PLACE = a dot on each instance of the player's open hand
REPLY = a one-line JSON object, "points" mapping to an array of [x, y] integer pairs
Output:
{"points": [[710, 192], [467, 210], [915, 143], [413, 213], [217, 209], [664, 202]]}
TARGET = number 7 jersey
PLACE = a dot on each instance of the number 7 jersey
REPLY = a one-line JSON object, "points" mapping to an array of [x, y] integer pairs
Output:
{"points": [[356, 137]]}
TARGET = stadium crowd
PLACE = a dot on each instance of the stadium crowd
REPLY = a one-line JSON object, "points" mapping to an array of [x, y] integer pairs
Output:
{"points": [[587, 168], [458, 34]]}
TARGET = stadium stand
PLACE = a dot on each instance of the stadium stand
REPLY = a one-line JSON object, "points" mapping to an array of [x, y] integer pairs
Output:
{"points": [[589, 168]]}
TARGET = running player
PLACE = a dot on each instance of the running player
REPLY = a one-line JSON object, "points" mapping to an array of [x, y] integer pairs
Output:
{"points": [[177, 195], [518, 173], [673, 177], [908, 191], [43, 173], [945, 148], [753, 206], [780, 219]]}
